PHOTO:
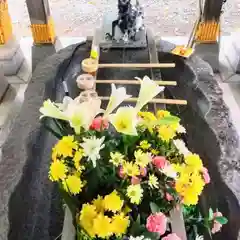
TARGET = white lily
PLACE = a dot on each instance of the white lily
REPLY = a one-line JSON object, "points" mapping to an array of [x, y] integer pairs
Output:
{"points": [[79, 115], [50, 109], [125, 120], [66, 101], [149, 89], [92, 147], [118, 95]]}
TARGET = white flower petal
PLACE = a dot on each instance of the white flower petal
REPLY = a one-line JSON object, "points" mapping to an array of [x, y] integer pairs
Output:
{"points": [[149, 89], [181, 147], [92, 147], [49, 109], [118, 95]]}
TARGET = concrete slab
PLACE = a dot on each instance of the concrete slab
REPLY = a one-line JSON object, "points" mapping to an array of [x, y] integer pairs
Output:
{"points": [[209, 52], [11, 57], [3, 85], [233, 51]]}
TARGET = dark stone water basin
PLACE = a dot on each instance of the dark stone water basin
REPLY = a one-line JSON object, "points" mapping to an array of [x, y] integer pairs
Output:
{"points": [[30, 207]]}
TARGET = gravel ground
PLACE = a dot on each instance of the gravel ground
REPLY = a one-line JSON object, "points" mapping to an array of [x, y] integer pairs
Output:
{"points": [[78, 18]]}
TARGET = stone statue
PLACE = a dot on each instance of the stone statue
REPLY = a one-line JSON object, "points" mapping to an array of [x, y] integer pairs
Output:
{"points": [[129, 20]]}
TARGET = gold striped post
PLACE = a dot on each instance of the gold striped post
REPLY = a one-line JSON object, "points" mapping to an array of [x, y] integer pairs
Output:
{"points": [[42, 25], [5, 23]]}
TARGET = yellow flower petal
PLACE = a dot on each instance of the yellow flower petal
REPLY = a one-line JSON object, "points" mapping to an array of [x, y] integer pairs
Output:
{"points": [[125, 120], [113, 202]]}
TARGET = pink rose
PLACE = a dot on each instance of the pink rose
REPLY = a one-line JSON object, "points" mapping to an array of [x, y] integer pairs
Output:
{"points": [[216, 225], [143, 172], [99, 124], [135, 180], [172, 236], [159, 162], [157, 223], [121, 173], [206, 176], [169, 197], [217, 214]]}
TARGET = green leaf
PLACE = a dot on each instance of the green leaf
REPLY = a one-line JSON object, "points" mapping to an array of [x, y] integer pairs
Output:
{"points": [[137, 228], [221, 220], [152, 236], [210, 214], [167, 120], [154, 207]]}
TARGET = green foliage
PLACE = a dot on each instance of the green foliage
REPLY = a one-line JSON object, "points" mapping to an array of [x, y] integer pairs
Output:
{"points": [[221, 220], [154, 207], [210, 214]]}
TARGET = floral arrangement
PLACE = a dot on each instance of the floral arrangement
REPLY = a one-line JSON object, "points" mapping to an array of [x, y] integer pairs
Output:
{"points": [[122, 170]]}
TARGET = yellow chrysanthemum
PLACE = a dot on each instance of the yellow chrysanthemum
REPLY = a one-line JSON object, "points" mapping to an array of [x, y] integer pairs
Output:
{"points": [[194, 160], [57, 171], [117, 159], [102, 226], [130, 169], [135, 193], [197, 184], [190, 198], [154, 152], [113, 202], [142, 159], [65, 146], [54, 154], [120, 224], [147, 119], [189, 184], [144, 145], [175, 126], [153, 181], [162, 113], [87, 215], [166, 133], [73, 184], [99, 204], [77, 158], [147, 116]]}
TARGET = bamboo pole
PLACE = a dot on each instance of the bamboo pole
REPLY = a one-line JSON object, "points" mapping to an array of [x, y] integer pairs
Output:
{"points": [[135, 82], [161, 101], [136, 65]]}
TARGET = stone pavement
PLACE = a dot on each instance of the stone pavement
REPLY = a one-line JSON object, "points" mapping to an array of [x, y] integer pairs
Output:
{"points": [[77, 18]]}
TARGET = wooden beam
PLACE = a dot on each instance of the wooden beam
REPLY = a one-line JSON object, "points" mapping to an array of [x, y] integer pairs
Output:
{"points": [[5, 23], [135, 82], [136, 65], [161, 101], [41, 21]]}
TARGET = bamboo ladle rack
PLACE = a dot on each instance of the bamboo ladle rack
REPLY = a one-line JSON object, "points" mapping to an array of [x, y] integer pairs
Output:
{"points": [[157, 100], [91, 66], [136, 65], [136, 82]]}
